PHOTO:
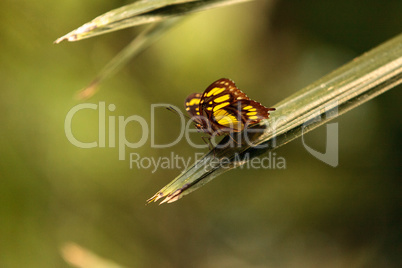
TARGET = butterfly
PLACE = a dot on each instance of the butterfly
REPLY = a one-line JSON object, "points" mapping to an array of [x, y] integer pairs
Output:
{"points": [[223, 109]]}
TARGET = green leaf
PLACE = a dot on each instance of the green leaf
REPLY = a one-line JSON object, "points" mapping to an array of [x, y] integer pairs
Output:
{"points": [[142, 12], [362, 79], [163, 13], [141, 42]]}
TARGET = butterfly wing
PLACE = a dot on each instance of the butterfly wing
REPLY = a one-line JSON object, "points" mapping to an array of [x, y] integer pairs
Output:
{"points": [[192, 104], [228, 108], [252, 112]]}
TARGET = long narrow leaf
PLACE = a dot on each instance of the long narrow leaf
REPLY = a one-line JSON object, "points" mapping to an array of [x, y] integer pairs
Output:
{"points": [[360, 80], [142, 12], [141, 42], [165, 14]]}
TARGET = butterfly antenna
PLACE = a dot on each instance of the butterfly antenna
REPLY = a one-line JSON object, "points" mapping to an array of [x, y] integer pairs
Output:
{"points": [[170, 108]]}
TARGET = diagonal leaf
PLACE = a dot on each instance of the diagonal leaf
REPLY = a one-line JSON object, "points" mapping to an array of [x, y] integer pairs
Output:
{"points": [[142, 12], [165, 13], [360, 80], [141, 42]]}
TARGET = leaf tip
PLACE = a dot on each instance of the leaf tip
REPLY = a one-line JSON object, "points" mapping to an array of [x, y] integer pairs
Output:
{"points": [[169, 198], [69, 37], [89, 91], [155, 198]]}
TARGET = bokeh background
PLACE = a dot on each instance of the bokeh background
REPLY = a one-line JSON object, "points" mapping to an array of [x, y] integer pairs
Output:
{"points": [[307, 215]]}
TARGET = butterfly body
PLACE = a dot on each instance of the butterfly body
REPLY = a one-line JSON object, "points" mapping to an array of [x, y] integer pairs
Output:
{"points": [[223, 109]]}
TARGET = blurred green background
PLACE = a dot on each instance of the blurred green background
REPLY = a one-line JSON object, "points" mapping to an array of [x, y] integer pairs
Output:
{"points": [[308, 215]]}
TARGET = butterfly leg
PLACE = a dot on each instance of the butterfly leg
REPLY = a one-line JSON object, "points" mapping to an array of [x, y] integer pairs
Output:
{"points": [[233, 139], [207, 140]]}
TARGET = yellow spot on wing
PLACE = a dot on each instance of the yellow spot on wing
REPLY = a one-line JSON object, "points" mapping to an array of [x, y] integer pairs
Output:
{"points": [[209, 108], [252, 109], [215, 91], [228, 120], [222, 98], [254, 117], [251, 113], [220, 106], [248, 107], [193, 102]]}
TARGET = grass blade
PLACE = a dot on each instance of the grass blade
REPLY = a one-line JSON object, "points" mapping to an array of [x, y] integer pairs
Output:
{"points": [[141, 42], [360, 80], [141, 12], [165, 13]]}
